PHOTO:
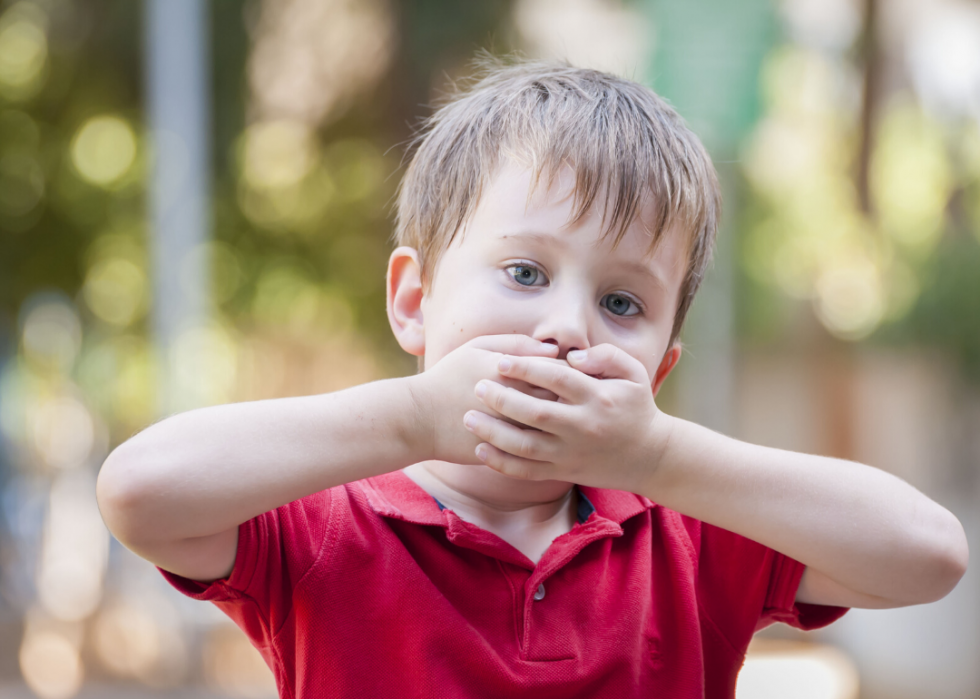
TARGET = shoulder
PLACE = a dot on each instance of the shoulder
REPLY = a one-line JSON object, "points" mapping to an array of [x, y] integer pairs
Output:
{"points": [[724, 567]]}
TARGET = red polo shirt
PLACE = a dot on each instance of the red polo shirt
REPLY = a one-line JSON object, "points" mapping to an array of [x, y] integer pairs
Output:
{"points": [[372, 589]]}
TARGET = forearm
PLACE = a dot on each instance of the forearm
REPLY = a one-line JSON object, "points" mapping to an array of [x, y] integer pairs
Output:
{"points": [[866, 529], [205, 471]]}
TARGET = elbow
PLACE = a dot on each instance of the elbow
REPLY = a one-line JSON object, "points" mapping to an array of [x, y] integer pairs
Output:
{"points": [[948, 559], [119, 493], [959, 557]]}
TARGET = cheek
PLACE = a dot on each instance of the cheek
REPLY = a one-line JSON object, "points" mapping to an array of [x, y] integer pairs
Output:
{"points": [[647, 346], [459, 310], [474, 309]]}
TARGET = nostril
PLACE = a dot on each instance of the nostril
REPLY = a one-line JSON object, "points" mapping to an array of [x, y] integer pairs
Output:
{"points": [[550, 341], [573, 349]]}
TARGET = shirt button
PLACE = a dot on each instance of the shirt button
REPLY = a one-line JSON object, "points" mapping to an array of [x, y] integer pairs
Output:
{"points": [[539, 593]]}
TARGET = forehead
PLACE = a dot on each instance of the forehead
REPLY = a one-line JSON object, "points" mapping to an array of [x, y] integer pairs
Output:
{"points": [[516, 205]]}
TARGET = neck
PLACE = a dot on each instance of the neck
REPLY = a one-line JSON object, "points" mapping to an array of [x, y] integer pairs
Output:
{"points": [[480, 495]]}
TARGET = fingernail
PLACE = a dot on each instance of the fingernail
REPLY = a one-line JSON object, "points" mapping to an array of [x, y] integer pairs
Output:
{"points": [[481, 453], [469, 421], [576, 356], [481, 389], [504, 364]]}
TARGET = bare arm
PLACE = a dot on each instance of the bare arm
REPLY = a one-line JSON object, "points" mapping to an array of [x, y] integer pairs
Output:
{"points": [[176, 492], [868, 539]]}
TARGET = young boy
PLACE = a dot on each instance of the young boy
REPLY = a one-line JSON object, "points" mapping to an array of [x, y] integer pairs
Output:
{"points": [[519, 519]]}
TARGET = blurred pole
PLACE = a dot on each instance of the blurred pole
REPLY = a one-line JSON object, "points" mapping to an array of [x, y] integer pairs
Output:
{"points": [[177, 78], [707, 59]]}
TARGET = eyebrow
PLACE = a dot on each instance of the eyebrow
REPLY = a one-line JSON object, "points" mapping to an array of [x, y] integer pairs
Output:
{"points": [[634, 267], [534, 236]]}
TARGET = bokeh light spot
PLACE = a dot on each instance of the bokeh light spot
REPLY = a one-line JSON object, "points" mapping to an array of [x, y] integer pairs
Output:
{"points": [[115, 290], [277, 154], [850, 300], [103, 150], [74, 551], [51, 332], [205, 362], [127, 640], [141, 641], [911, 178], [23, 50], [311, 57], [51, 665], [64, 432]]}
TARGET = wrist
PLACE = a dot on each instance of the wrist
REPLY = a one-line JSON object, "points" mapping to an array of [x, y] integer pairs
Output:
{"points": [[662, 437], [417, 430]]}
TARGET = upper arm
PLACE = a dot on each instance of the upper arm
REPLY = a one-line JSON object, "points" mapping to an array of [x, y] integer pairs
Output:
{"points": [[817, 588], [204, 558], [144, 530]]}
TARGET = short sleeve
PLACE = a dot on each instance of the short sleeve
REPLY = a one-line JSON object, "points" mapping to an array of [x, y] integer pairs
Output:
{"points": [[744, 586], [275, 551], [781, 605]]}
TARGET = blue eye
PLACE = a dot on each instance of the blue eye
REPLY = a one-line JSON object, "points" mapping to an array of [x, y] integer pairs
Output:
{"points": [[619, 305], [525, 275]]}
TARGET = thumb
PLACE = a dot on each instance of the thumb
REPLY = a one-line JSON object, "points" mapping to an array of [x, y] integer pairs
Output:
{"points": [[608, 362]]}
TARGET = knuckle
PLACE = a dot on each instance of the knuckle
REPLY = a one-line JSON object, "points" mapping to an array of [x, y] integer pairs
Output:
{"points": [[559, 378], [527, 449], [518, 367], [498, 399], [592, 430], [539, 415]]}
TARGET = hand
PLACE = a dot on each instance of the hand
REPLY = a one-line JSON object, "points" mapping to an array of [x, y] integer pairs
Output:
{"points": [[444, 392], [604, 430]]}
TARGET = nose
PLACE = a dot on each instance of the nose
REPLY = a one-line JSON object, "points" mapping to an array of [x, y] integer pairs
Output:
{"points": [[566, 323]]}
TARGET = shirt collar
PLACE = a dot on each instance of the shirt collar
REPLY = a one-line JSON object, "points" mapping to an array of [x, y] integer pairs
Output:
{"points": [[585, 507], [396, 495]]}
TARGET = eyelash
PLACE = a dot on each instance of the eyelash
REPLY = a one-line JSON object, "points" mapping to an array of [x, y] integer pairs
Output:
{"points": [[640, 308]]}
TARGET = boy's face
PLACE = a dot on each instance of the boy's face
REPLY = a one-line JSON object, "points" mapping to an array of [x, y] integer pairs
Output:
{"points": [[518, 266]]}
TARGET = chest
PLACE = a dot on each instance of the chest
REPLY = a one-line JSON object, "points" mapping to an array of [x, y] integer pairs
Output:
{"points": [[602, 613], [604, 601]]}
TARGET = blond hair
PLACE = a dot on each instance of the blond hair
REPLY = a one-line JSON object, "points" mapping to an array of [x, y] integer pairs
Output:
{"points": [[622, 140]]}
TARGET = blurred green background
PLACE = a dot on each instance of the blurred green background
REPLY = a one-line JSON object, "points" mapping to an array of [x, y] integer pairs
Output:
{"points": [[842, 314]]}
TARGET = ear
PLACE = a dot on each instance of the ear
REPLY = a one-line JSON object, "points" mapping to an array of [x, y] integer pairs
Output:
{"points": [[667, 365], [404, 285]]}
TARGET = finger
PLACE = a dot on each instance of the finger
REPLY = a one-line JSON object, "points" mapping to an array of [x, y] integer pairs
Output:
{"points": [[525, 443], [607, 361], [524, 387], [540, 414], [521, 345], [557, 377], [510, 465]]}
